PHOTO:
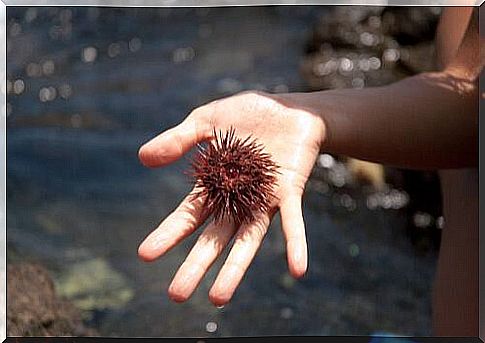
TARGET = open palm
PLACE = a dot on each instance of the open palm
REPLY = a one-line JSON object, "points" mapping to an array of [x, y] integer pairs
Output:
{"points": [[291, 136]]}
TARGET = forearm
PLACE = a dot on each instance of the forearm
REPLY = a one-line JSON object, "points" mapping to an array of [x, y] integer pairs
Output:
{"points": [[429, 121]]}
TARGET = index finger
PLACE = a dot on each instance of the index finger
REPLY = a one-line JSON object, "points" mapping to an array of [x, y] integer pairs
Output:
{"points": [[172, 144]]}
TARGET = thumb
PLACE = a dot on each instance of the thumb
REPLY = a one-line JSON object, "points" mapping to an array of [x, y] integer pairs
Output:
{"points": [[172, 144]]}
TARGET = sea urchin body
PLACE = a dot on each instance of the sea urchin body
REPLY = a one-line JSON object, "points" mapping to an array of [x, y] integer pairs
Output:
{"points": [[235, 176]]}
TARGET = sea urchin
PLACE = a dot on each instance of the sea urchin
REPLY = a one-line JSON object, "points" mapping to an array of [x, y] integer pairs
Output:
{"points": [[235, 176]]}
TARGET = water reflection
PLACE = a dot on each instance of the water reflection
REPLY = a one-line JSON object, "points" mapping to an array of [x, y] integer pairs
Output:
{"points": [[89, 54], [369, 39], [390, 55], [286, 313], [211, 327], [114, 50], [134, 44], [18, 86], [181, 55], [48, 67], [354, 250], [65, 91], [374, 63], [47, 94]]}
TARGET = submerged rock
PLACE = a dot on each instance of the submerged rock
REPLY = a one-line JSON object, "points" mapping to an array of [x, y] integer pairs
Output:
{"points": [[93, 285]]}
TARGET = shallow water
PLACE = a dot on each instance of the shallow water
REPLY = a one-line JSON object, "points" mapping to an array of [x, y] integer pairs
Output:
{"points": [[97, 83]]}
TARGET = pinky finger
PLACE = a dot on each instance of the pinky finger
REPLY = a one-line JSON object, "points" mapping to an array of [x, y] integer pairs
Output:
{"points": [[294, 230]]}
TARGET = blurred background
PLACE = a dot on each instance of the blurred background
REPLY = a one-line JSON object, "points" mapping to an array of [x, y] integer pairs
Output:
{"points": [[87, 86]]}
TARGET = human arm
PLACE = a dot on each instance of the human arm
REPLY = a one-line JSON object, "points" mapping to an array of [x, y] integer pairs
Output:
{"points": [[428, 121]]}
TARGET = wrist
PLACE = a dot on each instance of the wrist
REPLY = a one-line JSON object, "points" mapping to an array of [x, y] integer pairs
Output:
{"points": [[320, 107]]}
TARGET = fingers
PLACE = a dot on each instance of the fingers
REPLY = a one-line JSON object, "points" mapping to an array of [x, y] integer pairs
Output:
{"points": [[179, 224], [246, 244], [209, 246], [294, 231], [172, 144]]}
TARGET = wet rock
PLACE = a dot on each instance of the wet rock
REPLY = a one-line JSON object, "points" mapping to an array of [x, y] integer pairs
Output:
{"points": [[35, 309], [356, 47], [411, 25]]}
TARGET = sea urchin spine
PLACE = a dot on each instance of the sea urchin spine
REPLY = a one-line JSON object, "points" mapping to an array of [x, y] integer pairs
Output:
{"points": [[235, 176]]}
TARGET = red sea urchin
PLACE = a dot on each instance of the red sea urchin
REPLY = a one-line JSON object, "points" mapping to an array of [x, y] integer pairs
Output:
{"points": [[235, 176]]}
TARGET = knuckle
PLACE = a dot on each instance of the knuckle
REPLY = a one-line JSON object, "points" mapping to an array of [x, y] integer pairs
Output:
{"points": [[201, 121], [197, 113]]}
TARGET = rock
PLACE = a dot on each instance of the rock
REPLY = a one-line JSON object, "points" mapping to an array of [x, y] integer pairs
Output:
{"points": [[356, 47], [411, 25], [33, 307], [92, 284], [368, 173]]}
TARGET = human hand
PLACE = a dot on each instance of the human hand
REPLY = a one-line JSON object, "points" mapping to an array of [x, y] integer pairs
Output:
{"points": [[291, 135]]}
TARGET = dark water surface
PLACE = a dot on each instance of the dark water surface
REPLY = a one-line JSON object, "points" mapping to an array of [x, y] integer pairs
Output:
{"points": [[87, 86]]}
